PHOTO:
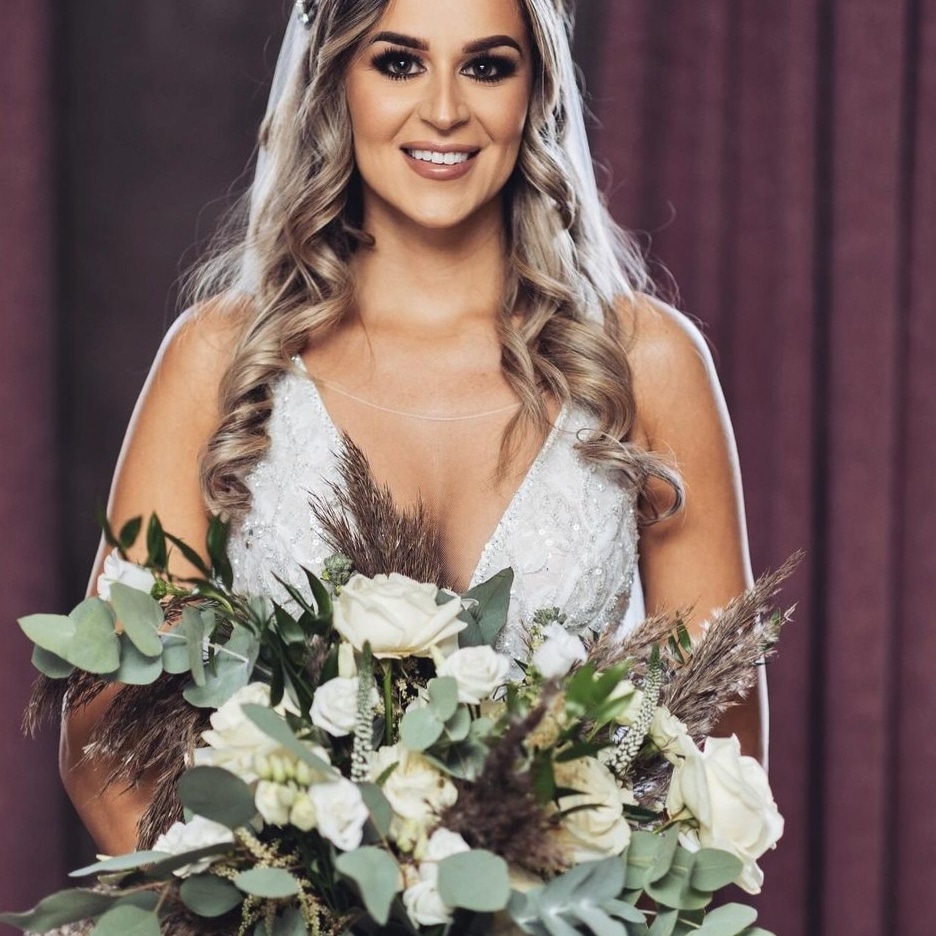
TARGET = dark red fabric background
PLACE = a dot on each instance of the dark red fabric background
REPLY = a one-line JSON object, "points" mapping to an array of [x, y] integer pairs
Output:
{"points": [[781, 154]]}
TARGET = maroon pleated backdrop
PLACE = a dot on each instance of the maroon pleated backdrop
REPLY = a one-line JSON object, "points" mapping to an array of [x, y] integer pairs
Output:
{"points": [[781, 156]]}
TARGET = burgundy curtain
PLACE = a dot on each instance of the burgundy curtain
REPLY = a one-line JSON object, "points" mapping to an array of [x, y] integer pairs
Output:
{"points": [[780, 156]]}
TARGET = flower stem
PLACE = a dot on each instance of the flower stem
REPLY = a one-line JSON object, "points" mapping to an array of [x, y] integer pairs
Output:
{"points": [[388, 701]]}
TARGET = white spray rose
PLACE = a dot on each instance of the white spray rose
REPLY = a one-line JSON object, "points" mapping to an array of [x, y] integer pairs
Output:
{"points": [[478, 672], [600, 831], [671, 736], [184, 837], [273, 801], [334, 706], [341, 812], [417, 792], [303, 814], [559, 653], [421, 898], [126, 573], [729, 796], [398, 616]]}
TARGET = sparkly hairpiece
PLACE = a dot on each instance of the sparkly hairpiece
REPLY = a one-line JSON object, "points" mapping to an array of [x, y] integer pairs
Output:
{"points": [[306, 10]]}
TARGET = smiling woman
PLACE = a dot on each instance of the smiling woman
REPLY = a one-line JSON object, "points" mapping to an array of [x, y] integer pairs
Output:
{"points": [[424, 265]]}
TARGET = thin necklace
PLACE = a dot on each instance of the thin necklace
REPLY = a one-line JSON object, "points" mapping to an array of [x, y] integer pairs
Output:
{"points": [[396, 412]]}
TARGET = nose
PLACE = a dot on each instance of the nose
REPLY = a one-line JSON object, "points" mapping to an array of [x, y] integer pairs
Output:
{"points": [[443, 105]]}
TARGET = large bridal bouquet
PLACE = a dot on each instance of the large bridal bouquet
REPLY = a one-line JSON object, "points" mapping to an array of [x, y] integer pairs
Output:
{"points": [[360, 759]]}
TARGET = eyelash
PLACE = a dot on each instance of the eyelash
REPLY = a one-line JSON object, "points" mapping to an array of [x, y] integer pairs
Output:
{"points": [[503, 66]]}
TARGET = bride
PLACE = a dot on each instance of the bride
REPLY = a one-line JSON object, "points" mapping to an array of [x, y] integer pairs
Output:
{"points": [[425, 265]]}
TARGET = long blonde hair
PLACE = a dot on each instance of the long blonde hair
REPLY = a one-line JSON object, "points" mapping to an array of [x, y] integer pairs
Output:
{"points": [[570, 266]]}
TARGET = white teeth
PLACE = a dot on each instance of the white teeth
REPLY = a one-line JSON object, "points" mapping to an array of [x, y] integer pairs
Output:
{"points": [[439, 159]]}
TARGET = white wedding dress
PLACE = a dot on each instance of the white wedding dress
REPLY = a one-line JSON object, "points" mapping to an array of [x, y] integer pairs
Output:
{"points": [[569, 533]]}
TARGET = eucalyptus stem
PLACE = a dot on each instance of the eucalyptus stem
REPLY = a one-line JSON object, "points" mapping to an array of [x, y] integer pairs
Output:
{"points": [[388, 701]]}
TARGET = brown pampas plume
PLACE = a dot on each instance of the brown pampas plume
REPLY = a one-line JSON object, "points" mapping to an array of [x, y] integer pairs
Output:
{"points": [[378, 537]]}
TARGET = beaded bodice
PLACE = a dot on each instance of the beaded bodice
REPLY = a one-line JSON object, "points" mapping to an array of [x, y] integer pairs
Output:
{"points": [[569, 532]]}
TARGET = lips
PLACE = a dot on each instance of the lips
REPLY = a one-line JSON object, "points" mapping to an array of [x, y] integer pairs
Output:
{"points": [[437, 157], [439, 162]]}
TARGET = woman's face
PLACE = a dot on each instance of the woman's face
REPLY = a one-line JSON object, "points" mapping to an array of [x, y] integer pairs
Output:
{"points": [[438, 98]]}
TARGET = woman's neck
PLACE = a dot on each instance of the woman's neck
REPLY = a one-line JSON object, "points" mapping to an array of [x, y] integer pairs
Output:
{"points": [[431, 279]]}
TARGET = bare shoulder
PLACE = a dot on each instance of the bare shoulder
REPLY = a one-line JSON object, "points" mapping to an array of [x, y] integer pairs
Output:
{"points": [[671, 363]]}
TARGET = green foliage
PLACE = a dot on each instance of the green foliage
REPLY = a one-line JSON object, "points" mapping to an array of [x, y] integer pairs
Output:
{"points": [[474, 880], [423, 727], [141, 617], [209, 895], [127, 920], [278, 729], [377, 877], [269, 883], [58, 909], [218, 795], [131, 862], [486, 618]]}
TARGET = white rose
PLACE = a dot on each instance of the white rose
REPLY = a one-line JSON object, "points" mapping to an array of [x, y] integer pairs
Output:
{"points": [[729, 796], [303, 814], [671, 736], [560, 652], [424, 904], [396, 615], [126, 573], [341, 812], [334, 706], [600, 831], [273, 801], [184, 837], [478, 672], [417, 792], [442, 844]]}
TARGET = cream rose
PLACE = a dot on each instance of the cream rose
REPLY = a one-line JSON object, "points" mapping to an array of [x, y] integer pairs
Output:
{"points": [[117, 570], [417, 792], [559, 653], [334, 706], [399, 617], [341, 812], [600, 831], [479, 671], [184, 837], [729, 796]]}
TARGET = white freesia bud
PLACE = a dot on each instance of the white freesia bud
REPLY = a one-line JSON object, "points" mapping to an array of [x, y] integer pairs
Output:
{"points": [[417, 791], [558, 653], [396, 615], [189, 836], [126, 573], [303, 814], [273, 802], [600, 830], [334, 706], [625, 689], [479, 671], [729, 796], [342, 812], [304, 774]]}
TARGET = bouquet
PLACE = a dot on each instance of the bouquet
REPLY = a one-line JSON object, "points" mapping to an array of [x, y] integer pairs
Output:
{"points": [[358, 758]]}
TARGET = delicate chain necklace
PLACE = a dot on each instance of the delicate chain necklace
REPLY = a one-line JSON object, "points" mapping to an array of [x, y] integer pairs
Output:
{"points": [[411, 415]]}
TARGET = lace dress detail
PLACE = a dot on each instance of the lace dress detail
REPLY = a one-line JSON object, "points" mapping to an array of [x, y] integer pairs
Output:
{"points": [[569, 533]]}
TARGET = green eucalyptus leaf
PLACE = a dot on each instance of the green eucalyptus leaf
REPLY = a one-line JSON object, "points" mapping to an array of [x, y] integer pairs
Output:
{"points": [[52, 632], [665, 922], [474, 880], [641, 856], [493, 598], [624, 911], [381, 812], [715, 869], [675, 888], [95, 648], [666, 853], [127, 920], [377, 876], [420, 729], [175, 656], [729, 920], [278, 729], [58, 909], [290, 923], [598, 921], [136, 669], [192, 628], [458, 727], [140, 616], [209, 895], [130, 862], [269, 883], [218, 795], [443, 697], [164, 868], [50, 664], [232, 669]]}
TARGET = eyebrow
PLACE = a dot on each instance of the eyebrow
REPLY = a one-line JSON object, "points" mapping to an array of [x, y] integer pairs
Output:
{"points": [[471, 48]]}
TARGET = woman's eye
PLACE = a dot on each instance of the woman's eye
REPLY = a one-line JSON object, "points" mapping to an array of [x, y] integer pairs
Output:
{"points": [[490, 68], [398, 65]]}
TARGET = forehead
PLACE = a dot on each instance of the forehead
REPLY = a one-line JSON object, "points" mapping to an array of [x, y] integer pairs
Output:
{"points": [[455, 21]]}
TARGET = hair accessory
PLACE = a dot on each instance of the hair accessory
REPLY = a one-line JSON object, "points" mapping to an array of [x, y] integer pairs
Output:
{"points": [[305, 10]]}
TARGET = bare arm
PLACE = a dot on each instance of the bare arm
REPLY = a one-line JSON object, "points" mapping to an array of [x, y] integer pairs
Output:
{"points": [[157, 472], [699, 558]]}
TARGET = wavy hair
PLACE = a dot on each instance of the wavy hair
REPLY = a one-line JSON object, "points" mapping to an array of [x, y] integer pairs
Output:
{"points": [[290, 243]]}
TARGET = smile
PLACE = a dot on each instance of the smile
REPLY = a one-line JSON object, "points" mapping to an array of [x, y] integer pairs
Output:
{"points": [[437, 158]]}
